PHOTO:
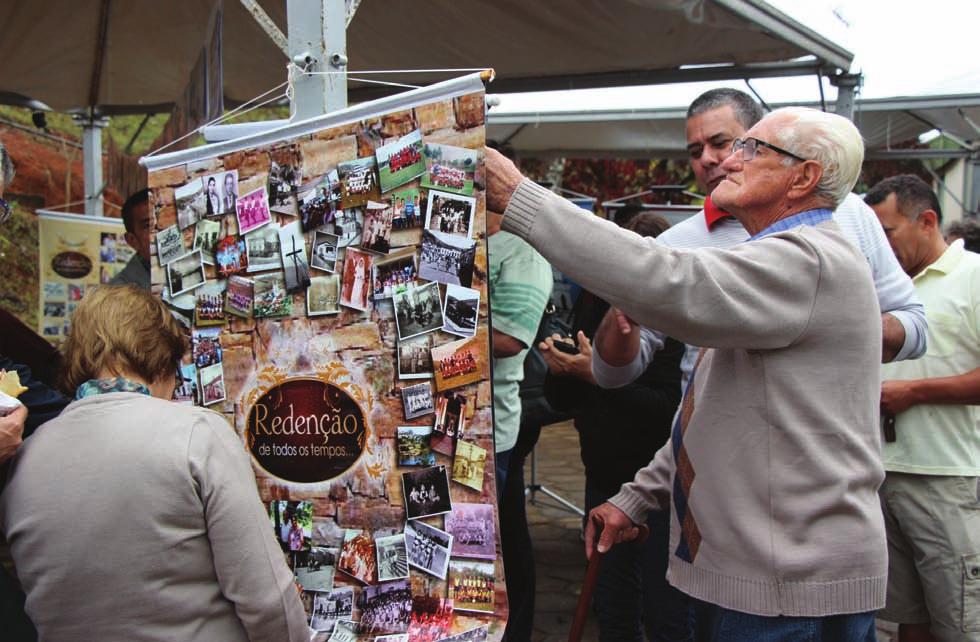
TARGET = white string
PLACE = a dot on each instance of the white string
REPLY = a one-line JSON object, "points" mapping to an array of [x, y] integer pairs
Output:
{"points": [[400, 71], [63, 206], [384, 82], [238, 111]]}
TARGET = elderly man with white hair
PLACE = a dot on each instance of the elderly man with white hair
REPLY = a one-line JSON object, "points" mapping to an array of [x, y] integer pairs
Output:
{"points": [[772, 469]]}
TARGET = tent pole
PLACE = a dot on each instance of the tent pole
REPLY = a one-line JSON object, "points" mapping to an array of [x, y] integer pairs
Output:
{"points": [[846, 85], [92, 127], [317, 42]]}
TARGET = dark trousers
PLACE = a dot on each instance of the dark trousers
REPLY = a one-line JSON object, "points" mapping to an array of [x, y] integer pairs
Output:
{"points": [[718, 624], [515, 539], [632, 595]]}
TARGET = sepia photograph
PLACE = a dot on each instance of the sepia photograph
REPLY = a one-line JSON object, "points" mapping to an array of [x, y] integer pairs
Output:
{"points": [[392, 559], [270, 298], [292, 250], [395, 273], [413, 446], [323, 295], [355, 286], [418, 310], [471, 585], [401, 161], [170, 245], [428, 548], [450, 214], [450, 413], [323, 255], [461, 310], [449, 168], [358, 182], [238, 297], [189, 202], [386, 608], [473, 531], [185, 273], [458, 363], [426, 492], [447, 258], [314, 569], [415, 357], [252, 211], [315, 208], [357, 556], [468, 465], [417, 400], [376, 235], [332, 607], [262, 249]]}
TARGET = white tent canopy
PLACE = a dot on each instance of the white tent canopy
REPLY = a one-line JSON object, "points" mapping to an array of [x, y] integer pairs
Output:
{"points": [[136, 55], [659, 132]]}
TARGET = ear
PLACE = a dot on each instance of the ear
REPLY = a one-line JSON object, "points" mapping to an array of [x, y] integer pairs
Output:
{"points": [[131, 240], [805, 180], [928, 219]]}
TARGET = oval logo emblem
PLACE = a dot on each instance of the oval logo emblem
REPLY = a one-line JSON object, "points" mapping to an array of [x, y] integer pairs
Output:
{"points": [[306, 431], [71, 265]]}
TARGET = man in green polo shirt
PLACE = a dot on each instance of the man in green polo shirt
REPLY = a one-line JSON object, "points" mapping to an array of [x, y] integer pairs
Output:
{"points": [[931, 497]]}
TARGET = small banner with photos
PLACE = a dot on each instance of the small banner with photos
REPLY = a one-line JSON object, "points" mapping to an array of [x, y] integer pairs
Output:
{"points": [[76, 253], [334, 279]]}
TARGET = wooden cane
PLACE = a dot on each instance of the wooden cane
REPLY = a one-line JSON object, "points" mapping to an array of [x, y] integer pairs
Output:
{"points": [[591, 575]]}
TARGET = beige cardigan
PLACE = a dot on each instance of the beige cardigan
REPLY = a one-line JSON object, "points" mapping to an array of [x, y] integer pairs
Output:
{"points": [[784, 439], [133, 518]]}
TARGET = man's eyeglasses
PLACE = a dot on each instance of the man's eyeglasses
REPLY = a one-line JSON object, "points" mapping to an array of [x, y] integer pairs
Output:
{"points": [[749, 146], [4, 211]]}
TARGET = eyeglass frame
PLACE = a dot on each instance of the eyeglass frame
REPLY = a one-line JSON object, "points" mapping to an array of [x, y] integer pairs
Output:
{"points": [[4, 211], [739, 144]]}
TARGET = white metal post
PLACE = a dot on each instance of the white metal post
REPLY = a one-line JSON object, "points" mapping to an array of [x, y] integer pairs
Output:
{"points": [[92, 160], [846, 85], [318, 42]]}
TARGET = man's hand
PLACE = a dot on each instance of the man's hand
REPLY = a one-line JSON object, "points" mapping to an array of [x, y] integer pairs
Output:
{"points": [[569, 365], [503, 177], [617, 528], [11, 432], [618, 338], [896, 397]]}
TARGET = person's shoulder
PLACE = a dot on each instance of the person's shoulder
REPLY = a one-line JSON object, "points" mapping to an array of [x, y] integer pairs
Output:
{"points": [[694, 225], [854, 212]]}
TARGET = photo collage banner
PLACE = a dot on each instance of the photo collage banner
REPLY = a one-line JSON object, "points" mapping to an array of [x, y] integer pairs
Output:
{"points": [[334, 283]]}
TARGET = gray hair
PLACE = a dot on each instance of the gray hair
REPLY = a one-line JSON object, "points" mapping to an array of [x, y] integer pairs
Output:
{"points": [[6, 165], [831, 140]]}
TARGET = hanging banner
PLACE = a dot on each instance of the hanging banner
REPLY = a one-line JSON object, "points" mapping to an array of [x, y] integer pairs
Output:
{"points": [[76, 252], [334, 274]]}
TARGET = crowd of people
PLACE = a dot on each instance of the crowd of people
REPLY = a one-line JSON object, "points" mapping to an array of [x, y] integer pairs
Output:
{"points": [[794, 369], [388, 612]]}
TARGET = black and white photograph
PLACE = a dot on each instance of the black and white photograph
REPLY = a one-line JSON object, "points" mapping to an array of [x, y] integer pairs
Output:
{"points": [[392, 559], [189, 201], [473, 531], [413, 446], [428, 548], [315, 209], [426, 492], [323, 256], [415, 357], [395, 273], [461, 310], [314, 569], [323, 295], [450, 414], [185, 273], [170, 244], [418, 310], [447, 258], [417, 400], [348, 225], [377, 227], [479, 634], [344, 631], [54, 308], [386, 608], [395, 637], [220, 193], [284, 181], [206, 234], [450, 214], [292, 249], [331, 607], [262, 249]]}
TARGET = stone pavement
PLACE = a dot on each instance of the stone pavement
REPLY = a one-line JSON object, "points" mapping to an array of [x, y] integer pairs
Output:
{"points": [[556, 533]]}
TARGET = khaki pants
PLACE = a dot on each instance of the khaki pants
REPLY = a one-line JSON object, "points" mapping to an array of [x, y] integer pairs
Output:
{"points": [[933, 526]]}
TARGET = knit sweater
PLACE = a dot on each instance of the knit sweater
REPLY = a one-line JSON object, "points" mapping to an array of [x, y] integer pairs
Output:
{"points": [[781, 454]]}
